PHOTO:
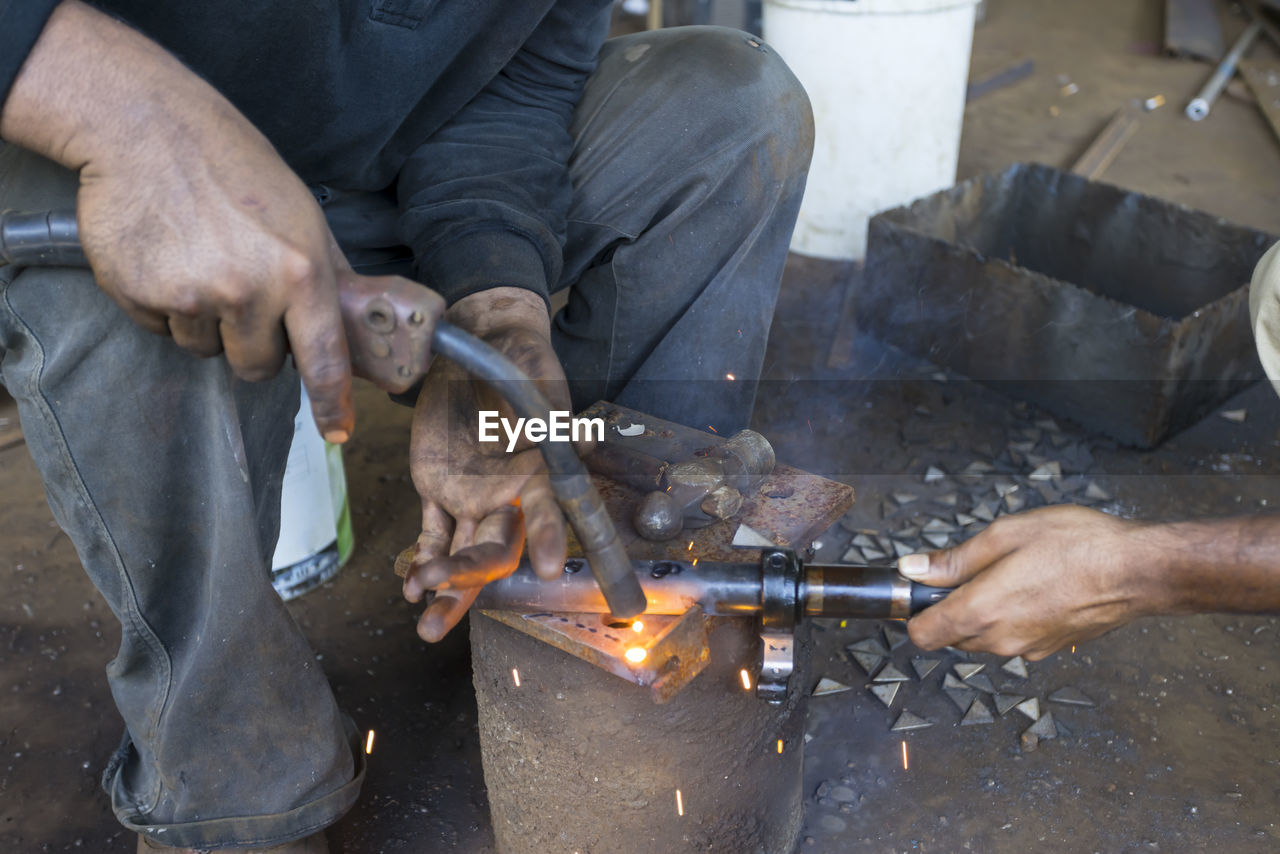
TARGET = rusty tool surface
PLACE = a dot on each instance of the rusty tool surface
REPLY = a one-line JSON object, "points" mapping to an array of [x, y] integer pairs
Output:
{"points": [[790, 508]]}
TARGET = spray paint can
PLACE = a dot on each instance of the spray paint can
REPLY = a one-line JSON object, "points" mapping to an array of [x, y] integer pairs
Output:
{"points": [[315, 517]]}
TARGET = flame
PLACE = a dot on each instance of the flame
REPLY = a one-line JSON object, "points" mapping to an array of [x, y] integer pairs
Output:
{"points": [[679, 803], [746, 678], [515, 676], [636, 654], [637, 626], [368, 743]]}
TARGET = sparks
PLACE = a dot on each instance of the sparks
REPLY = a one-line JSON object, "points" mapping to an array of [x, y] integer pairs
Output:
{"points": [[1073, 649], [730, 377], [779, 745], [515, 676], [636, 654], [810, 423], [689, 547], [368, 743], [712, 429], [746, 678], [904, 755], [695, 562], [637, 626], [679, 803]]}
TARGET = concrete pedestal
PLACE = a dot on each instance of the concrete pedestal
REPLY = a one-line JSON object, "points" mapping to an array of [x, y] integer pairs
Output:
{"points": [[578, 760]]}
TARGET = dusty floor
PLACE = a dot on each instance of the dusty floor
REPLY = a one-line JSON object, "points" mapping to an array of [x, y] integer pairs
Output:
{"points": [[1178, 754]]}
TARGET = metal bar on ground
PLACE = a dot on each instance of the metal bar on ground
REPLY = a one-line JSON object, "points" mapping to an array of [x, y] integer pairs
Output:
{"points": [[1202, 103], [1107, 144]]}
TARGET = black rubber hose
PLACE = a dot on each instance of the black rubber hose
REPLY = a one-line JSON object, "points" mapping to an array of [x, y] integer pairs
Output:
{"points": [[570, 480]]}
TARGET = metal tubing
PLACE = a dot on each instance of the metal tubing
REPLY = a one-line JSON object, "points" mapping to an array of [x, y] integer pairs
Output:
{"points": [[1203, 101], [721, 589], [40, 239]]}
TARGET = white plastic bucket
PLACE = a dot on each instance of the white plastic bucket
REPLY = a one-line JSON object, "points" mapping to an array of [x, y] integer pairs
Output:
{"points": [[887, 81], [315, 518]]}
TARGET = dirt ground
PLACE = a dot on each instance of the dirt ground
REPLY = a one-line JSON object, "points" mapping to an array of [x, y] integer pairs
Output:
{"points": [[1179, 751]]}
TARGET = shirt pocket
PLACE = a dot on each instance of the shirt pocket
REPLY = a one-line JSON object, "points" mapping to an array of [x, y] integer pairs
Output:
{"points": [[400, 13]]}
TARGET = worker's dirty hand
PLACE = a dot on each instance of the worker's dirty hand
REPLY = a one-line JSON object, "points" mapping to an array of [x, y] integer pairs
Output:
{"points": [[1033, 583], [479, 501], [188, 216]]}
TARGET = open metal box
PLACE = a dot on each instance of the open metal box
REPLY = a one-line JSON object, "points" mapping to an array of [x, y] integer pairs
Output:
{"points": [[1122, 312]]}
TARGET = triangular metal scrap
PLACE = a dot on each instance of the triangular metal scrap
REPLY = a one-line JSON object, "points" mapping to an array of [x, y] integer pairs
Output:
{"points": [[1236, 415], [862, 541], [1095, 492], [747, 537], [967, 669], [907, 722], [977, 467], [1046, 471], [934, 474], [829, 686], [982, 682], [871, 645], [885, 692], [948, 500], [1030, 708], [1005, 702], [984, 512], [965, 520], [924, 666], [962, 697], [868, 661], [1004, 487], [949, 681], [891, 674], [938, 526], [1071, 697], [873, 554], [902, 549], [1016, 666], [904, 497], [853, 555], [1030, 741], [938, 541], [979, 713], [1013, 501], [1044, 728], [895, 634]]}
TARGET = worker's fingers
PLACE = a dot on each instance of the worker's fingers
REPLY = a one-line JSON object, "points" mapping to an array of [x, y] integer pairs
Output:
{"points": [[198, 334], [490, 551], [952, 567], [444, 612], [544, 527], [313, 323], [947, 623], [254, 344], [433, 543]]}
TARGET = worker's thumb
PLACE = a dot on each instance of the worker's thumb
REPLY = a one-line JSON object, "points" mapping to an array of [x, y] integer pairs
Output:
{"points": [[946, 568]]}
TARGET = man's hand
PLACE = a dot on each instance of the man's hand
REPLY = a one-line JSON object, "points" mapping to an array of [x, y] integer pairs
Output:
{"points": [[1033, 583], [189, 218], [478, 501]]}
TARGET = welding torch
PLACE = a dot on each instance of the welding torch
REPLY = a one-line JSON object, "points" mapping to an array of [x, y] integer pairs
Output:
{"points": [[393, 327]]}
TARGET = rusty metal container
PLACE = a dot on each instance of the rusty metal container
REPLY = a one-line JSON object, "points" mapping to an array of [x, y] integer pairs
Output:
{"points": [[1122, 312]]}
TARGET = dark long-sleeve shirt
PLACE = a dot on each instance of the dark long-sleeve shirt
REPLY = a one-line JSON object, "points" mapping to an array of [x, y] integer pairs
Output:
{"points": [[462, 106]]}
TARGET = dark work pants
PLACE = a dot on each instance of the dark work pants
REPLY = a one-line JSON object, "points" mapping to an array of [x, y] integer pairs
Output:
{"points": [[691, 148]]}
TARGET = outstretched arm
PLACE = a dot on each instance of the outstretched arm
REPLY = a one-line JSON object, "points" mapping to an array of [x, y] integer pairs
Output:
{"points": [[1033, 583]]}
